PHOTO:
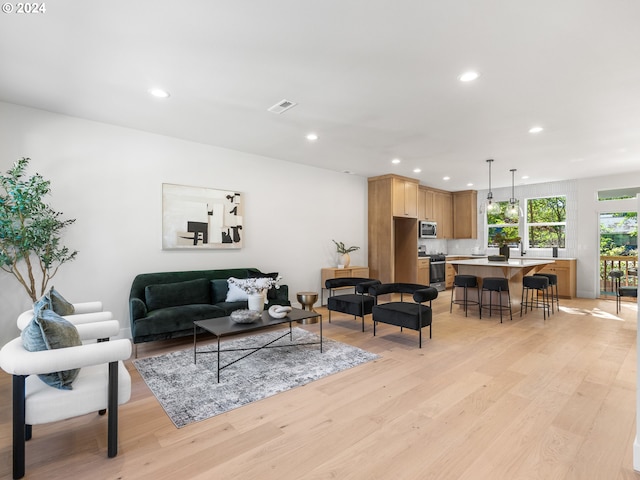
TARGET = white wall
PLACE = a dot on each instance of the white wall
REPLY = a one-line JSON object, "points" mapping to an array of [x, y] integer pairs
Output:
{"points": [[110, 180]]}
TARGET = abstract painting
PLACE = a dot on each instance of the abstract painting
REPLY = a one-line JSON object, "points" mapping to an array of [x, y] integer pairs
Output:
{"points": [[202, 218]]}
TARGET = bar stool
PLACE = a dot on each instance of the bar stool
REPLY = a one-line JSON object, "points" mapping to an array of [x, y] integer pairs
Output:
{"points": [[616, 275], [538, 285], [553, 282], [465, 282], [500, 285]]}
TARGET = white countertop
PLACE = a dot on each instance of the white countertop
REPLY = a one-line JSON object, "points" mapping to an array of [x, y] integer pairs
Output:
{"points": [[512, 262]]}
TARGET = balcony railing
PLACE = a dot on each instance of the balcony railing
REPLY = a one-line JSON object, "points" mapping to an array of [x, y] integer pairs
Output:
{"points": [[626, 264]]}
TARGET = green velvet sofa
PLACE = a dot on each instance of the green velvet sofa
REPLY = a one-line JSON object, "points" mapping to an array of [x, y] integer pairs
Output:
{"points": [[164, 305]]}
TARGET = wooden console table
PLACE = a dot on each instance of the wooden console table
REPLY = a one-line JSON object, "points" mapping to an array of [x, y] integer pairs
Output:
{"points": [[334, 272]]}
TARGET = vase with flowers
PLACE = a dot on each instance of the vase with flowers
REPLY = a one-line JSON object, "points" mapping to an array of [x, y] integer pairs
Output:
{"points": [[344, 252], [255, 289], [504, 241]]}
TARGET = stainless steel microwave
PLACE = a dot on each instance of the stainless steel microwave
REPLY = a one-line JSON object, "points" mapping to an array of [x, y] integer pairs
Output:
{"points": [[427, 229]]}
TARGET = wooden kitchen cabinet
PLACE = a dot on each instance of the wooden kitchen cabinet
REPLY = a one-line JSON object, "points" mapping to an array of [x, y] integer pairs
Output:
{"points": [[405, 197], [465, 214], [566, 272], [425, 203], [393, 238], [450, 272], [443, 213], [423, 271]]}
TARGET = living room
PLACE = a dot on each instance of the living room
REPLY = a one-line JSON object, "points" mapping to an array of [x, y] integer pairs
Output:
{"points": [[109, 177]]}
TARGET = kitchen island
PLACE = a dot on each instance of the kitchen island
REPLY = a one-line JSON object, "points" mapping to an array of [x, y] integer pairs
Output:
{"points": [[513, 270]]}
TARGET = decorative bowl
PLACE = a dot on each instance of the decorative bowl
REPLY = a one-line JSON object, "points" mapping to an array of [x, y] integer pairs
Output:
{"points": [[245, 316]]}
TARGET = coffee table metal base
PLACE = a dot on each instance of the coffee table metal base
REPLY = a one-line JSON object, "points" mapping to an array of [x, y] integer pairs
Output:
{"points": [[224, 326]]}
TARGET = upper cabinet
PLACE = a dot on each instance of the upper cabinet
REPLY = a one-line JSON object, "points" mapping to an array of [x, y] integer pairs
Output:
{"points": [[405, 197], [443, 213], [425, 203], [436, 205], [465, 216]]}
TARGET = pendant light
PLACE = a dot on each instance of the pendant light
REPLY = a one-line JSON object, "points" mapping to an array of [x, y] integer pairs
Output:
{"points": [[513, 210], [490, 206]]}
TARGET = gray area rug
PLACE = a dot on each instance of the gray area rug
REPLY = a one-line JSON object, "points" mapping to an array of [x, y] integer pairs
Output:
{"points": [[189, 393]]}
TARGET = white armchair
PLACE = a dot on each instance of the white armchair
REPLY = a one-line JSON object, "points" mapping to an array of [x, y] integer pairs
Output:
{"points": [[103, 383], [85, 312]]}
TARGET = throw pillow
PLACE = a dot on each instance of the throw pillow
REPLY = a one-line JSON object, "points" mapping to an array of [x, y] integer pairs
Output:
{"points": [[59, 304], [48, 331], [52, 300], [239, 288], [271, 293], [235, 293]]}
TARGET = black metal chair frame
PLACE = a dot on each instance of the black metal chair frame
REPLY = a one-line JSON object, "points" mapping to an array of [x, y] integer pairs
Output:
{"points": [[553, 290], [500, 306], [420, 294], [621, 291], [465, 302], [535, 302], [361, 289]]}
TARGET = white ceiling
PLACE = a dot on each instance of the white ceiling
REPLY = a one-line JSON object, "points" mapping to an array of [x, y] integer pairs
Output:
{"points": [[374, 79]]}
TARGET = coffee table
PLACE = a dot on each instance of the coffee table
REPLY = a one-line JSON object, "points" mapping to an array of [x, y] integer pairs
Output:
{"points": [[223, 326]]}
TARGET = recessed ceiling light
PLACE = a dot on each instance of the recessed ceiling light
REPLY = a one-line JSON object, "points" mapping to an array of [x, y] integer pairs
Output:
{"points": [[524, 177], [416, 170], [469, 184], [446, 178], [468, 76], [312, 137], [159, 93], [535, 129], [395, 160]]}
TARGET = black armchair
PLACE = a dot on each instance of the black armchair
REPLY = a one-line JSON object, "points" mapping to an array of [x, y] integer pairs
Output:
{"points": [[358, 303], [404, 314]]}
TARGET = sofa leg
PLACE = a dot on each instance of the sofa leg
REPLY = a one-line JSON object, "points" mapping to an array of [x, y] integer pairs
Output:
{"points": [[135, 350]]}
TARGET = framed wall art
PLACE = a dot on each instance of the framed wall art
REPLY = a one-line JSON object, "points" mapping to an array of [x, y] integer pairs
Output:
{"points": [[200, 218]]}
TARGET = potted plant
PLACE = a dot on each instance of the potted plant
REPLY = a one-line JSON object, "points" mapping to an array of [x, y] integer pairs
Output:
{"points": [[504, 241], [344, 252], [30, 230]]}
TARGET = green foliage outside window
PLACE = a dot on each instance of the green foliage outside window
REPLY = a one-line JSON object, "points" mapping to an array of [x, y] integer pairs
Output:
{"points": [[546, 222]]}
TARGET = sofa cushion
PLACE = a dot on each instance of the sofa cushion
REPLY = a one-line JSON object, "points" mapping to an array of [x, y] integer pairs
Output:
{"points": [[48, 331], [169, 321], [219, 289], [176, 294]]}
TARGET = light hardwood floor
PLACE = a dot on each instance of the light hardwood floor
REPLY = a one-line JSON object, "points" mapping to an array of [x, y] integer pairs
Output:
{"points": [[526, 399]]}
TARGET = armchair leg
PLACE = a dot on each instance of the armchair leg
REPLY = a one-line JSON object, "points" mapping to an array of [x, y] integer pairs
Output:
{"points": [[112, 441], [19, 426]]}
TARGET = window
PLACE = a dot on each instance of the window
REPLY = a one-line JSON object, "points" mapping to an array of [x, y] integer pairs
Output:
{"points": [[618, 194], [546, 222], [499, 223]]}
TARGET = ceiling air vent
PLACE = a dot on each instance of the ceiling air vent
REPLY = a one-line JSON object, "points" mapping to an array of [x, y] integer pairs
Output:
{"points": [[282, 106]]}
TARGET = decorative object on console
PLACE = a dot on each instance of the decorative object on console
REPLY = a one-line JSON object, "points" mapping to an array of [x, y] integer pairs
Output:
{"points": [[245, 316], [344, 252], [30, 229], [202, 218]]}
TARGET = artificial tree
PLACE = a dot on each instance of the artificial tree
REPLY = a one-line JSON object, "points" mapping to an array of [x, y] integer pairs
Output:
{"points": [[30, 230]]}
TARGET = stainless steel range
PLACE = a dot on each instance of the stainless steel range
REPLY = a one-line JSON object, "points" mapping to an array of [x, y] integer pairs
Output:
{"points": [[437, 269]]}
